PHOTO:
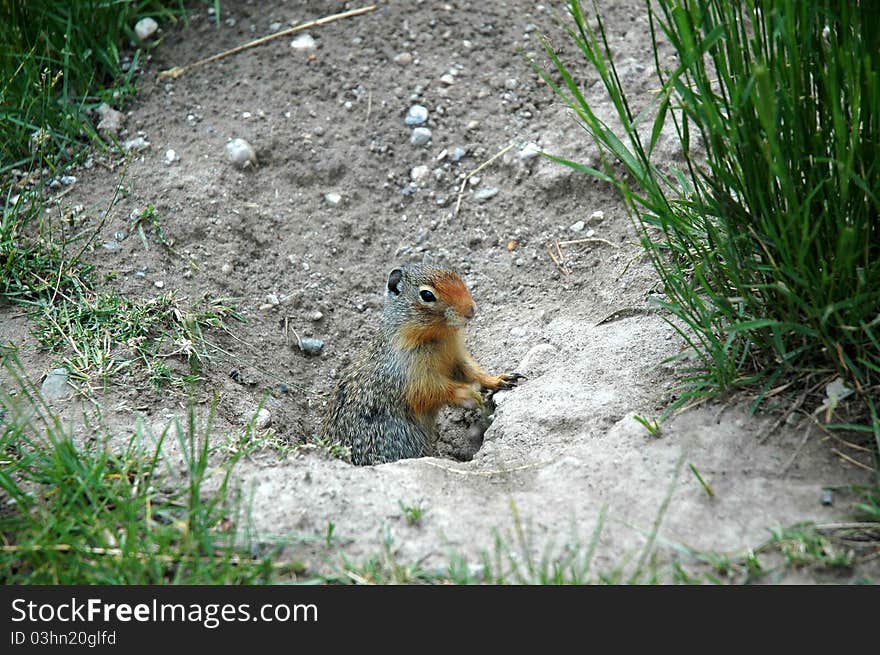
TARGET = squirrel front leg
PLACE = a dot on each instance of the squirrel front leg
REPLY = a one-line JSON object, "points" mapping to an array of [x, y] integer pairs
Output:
{"points": [[475, 372], [465, 395]]}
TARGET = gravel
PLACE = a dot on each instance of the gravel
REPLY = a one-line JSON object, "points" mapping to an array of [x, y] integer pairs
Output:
{"points": [[264, 418], [416, 115], [418, 173], [311, 347], [420, 136], [137, 144], [55, 385], [241, 153], [303, 42], [111, 120], [577, 227], [529, 151], [145, 28], [486, 193]]}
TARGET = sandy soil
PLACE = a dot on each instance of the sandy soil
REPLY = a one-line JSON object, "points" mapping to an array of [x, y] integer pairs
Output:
{"points": [[564, 445]]}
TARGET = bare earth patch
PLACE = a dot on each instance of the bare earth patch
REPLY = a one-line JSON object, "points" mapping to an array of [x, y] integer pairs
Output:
{"points": [[305, 264]]}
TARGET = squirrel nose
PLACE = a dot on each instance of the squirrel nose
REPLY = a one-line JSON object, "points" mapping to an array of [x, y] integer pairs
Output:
{"points": [[470, 311]]}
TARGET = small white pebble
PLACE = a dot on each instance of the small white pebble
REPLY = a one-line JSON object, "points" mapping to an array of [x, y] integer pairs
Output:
{"points": [[145, 28], [303, 42], [240, 152]]}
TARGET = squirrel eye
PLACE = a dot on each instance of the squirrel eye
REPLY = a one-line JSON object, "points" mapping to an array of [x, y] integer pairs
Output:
{"points": [[427, 296]]}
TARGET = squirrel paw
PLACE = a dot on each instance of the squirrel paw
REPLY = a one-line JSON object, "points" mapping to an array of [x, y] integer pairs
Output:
{"points": [[510, 380], [468, 396]]}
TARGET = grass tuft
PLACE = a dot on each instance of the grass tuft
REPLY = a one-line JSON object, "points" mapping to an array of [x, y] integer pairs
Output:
{"points": [[767, 242], [60, 59], [79, 513]]}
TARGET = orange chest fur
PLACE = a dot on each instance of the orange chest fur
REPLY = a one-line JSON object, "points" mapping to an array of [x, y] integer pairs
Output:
{"points": [[432, 366]]}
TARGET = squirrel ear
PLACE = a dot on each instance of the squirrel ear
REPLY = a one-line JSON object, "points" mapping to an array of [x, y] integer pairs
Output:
{"points": [[395, 282]]}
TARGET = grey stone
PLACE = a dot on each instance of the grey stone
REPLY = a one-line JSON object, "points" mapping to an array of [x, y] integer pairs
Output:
{"points": [[55, 385], [577, 227], [458, 154], [303, 42], [417, 115], [137, 144], [486, 193], [111, 120], [332, 198], [420, 136], [241, 153], [418, 173], [311, 346], [263, 420], [145, 28], [529, 151]]}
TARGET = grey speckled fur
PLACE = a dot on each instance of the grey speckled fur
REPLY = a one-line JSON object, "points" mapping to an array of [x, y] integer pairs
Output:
{"points": [[369, 413]]}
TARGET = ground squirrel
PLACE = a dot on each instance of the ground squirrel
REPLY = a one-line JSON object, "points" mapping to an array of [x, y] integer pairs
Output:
{"points": [[385, 405]]}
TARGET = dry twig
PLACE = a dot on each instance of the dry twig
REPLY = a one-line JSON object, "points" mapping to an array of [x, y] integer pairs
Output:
{"points": [[474, 172], [177, 71]]}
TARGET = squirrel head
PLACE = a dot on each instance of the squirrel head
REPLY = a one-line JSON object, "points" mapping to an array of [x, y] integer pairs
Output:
{"points": [[430, 298]]}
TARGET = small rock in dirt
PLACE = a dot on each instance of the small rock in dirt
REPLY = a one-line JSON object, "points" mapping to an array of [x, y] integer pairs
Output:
{"points": [[171, 156], [418, 173], [264, 418], [417, 115], [529, 151], [420, 136], [511, 83], [311, 346], [597, 215], [458, 154], [145, 28], [577, 227], [159, 284], [67, 180], [111, 120], [537, 360], [403, 59], [332, 198], [316, 316], [828, 497], [472, 125], [137, 144], [55, 386], [517, 332], [485, 193], [112, 244], [241, 153], [275, 27], [837, 390], [590, 233], [303, 42], [227, 268], [447, 79]]}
